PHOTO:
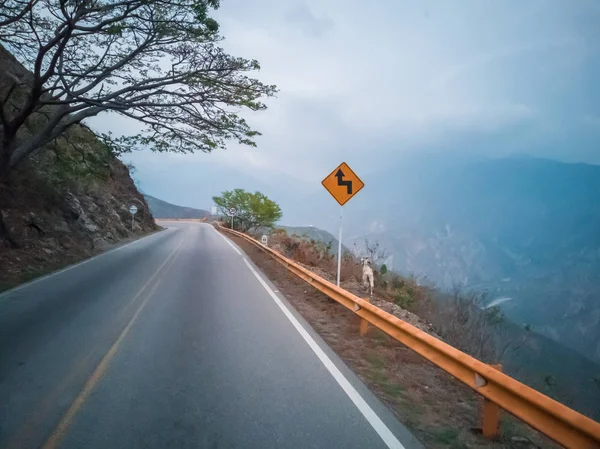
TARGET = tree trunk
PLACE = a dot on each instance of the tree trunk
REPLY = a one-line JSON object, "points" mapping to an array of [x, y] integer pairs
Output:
{"points": [[5, 237]]}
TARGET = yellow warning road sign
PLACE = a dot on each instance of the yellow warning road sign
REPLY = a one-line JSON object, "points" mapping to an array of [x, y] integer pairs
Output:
{"points": [[343, 183]]}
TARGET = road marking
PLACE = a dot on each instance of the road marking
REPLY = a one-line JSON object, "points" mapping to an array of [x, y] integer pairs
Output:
{"points": [[25, 437], [67, 419], [140, 291], [372, 418], [78, 264], [63, 426], [375, 421], [228, 242]]}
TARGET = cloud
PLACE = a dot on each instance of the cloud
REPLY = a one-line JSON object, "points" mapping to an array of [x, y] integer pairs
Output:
{"points": [[370, 82], [499, 57], [311, 25]]}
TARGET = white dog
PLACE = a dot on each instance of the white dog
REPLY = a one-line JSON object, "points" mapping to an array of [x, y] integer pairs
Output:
{"points": [[367, 275]]}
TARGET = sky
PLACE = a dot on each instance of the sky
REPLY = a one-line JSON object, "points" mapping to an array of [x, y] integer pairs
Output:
{"points": [[371, 82]]}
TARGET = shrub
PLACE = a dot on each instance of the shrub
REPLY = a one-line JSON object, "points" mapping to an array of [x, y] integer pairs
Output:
{"points": [[279, 232], [397, 282], [403, 299], [348, 268]]}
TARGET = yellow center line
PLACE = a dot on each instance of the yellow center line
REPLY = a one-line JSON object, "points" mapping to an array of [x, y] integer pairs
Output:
{"points": [[170, 258], [26, 434], [63, 426]]}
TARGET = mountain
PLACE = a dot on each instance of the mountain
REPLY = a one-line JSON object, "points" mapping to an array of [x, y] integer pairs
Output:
{"points": [[523, 229], [312, 233], [162, 209]]}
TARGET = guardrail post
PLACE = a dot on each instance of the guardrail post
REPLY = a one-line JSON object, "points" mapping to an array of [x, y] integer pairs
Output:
{"points": [[490, 420], [364, 324]]}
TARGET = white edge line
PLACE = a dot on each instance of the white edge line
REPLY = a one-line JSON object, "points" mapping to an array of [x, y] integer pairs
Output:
{"points": [[75, 265], [378, 425], [228, 242], [375, 421], [372, 418]]}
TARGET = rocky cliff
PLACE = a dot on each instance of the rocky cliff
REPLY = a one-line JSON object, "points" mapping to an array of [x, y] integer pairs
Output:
{"points": [[66, 203]]}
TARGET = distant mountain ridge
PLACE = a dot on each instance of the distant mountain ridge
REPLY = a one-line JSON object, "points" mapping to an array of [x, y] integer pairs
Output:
{"points": [[312, 233], [162, 209], [518, 227]]}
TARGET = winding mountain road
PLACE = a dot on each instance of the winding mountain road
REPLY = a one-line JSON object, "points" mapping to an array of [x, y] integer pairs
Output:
{"points": [[175, 341]]}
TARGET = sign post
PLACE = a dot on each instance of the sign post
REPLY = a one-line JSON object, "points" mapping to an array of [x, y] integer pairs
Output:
{"points": [[232, 213], [342, 183], [339, 270], [133, 210]]}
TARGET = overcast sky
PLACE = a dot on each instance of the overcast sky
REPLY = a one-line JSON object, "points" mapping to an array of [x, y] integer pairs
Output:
{"points": [[367, 82]]}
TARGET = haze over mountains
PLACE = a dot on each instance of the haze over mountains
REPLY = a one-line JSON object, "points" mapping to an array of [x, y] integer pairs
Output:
{"points": [[521, 228]]}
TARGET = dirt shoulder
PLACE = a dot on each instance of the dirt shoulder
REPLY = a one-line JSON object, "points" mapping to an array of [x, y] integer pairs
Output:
{"points": [[439, 410], [35, 260]]}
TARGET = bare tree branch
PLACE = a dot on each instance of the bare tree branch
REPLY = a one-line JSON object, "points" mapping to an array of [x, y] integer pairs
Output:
{"points": [[14, 10], [154, 61]]}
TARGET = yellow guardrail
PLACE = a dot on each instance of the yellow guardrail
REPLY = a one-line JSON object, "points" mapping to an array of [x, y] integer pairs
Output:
{"points": [[557, 421]]}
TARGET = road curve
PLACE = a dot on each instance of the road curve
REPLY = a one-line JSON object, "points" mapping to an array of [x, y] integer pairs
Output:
{"points": [[174, 341]]}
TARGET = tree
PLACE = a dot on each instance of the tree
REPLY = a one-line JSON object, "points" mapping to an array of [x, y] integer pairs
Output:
{"points": [[253, 210], [13, 10], [372, 251], [154, 61]]}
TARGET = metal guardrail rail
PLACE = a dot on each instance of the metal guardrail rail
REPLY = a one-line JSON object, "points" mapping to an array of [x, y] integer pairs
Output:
{"points": [[557, 421]]}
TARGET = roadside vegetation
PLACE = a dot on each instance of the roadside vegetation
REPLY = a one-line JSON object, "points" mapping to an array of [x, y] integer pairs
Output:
{"points": [[442, 412], [253, 211], [461, 318]]}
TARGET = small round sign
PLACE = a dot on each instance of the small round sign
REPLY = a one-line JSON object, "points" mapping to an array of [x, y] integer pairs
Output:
{"points": [[232, 212], [133, 209]]}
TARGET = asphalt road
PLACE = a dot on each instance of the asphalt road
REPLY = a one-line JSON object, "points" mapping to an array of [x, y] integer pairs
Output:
{"points": [[174, 341]]}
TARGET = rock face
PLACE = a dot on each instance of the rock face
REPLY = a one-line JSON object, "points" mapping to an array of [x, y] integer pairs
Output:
{"points": [[56, 222], [67, 202]]}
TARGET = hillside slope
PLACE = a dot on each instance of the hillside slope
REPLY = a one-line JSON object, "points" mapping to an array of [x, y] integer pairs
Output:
{"points": [[162, 209], [519, 227], [64, 203], [312, 233]]}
